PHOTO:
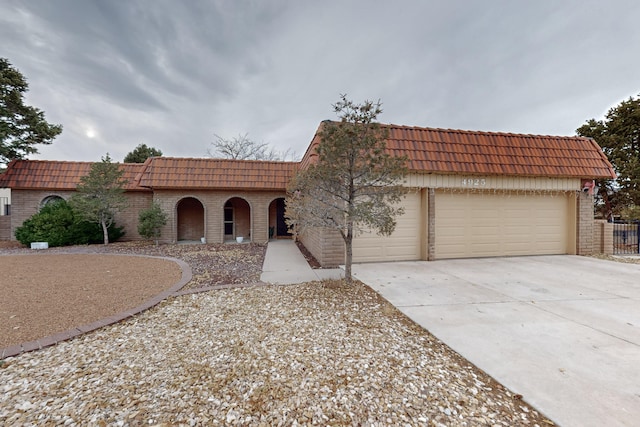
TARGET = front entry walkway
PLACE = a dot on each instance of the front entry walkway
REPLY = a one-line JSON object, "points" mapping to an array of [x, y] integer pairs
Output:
{"points": [[284, 264], [563, 331]]}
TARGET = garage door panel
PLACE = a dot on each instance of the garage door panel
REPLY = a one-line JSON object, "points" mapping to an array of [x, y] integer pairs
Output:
{"points": [[404, 242], [477, 225]]}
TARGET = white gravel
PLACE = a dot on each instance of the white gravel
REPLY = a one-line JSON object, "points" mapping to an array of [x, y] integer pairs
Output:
{"points": [[310, 354]]}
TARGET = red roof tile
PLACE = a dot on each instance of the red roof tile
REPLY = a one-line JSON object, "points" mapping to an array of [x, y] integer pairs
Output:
{"points": [[428, 150], [491, 153], [156, 172], [176, 173], [57, 175]]}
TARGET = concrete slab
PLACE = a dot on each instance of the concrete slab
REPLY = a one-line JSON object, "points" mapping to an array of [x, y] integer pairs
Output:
{"points": [[563, 331], [284, 264]]}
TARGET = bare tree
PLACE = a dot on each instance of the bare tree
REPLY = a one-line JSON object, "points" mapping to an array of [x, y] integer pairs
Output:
{"points": [[242, 148], [355, 184]]}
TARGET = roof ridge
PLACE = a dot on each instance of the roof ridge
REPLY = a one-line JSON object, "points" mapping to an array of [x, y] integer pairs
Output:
{"points": [[481, 132], [213, 159]]}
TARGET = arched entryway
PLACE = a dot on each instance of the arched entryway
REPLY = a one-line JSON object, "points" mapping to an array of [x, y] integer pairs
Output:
{"points": [[190, 219], [237, 219], [277, 225]]}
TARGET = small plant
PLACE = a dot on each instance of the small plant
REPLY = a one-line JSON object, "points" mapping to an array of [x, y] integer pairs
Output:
{"points": [[151, 221]]}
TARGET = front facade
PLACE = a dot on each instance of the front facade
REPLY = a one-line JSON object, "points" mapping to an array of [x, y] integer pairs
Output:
{"points": [[470, 194], [480, 194], [208, 200]]}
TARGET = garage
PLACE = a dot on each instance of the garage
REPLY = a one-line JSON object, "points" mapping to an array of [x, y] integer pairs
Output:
{"points": [[480, 194], [482, 224], [403, 244]]}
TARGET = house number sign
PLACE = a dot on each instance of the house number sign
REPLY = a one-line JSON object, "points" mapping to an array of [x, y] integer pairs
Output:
{"points": [[474, 182]]}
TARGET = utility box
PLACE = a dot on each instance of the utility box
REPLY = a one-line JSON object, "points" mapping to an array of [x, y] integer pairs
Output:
{"points": [[39, 245]]}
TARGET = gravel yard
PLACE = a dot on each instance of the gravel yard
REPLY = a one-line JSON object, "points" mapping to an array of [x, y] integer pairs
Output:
{"points": [[320, 353]]}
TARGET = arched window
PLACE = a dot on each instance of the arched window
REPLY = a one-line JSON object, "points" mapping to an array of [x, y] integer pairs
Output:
{"points": [[49, 200]]}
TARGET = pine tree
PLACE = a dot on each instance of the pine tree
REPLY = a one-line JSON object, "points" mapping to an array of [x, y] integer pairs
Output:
{"points": [[355, 184], [100, 194]]}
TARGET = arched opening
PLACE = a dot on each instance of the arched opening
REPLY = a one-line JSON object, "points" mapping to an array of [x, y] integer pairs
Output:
{"points": [[190, 212], [49, 200], [277, 225], [237, 219]]}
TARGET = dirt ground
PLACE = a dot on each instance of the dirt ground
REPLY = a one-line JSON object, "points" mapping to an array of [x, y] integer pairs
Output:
{"points": [[42, 294]]}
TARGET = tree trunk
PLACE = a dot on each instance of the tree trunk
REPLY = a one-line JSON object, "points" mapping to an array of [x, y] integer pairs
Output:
{"points": [[348, 243], [105, 232]]}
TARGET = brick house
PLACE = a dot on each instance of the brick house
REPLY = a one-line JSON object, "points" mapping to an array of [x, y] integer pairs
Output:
{"points": [[218, 200], [472, 194]]}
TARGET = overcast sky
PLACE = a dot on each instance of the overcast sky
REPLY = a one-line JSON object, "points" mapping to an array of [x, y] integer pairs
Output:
{"points": [[171, 74]]}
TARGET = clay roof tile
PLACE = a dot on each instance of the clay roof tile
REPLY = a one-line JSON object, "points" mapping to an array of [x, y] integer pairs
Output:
{"points": [[455, 151]]}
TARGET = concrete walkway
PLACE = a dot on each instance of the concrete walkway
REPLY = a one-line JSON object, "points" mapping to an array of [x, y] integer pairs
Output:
{"points": [[563, 331], [285, 265]]}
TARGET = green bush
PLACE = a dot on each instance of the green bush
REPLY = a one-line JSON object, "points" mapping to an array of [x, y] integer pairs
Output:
{"points": [[59, 225], [151, 221]]}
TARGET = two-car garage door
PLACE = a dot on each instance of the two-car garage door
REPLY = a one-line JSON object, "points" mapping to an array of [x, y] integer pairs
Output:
{"points": [[479, 224], [483, 224]]}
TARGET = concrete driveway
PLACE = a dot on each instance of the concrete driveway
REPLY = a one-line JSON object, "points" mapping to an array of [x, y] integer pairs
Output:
{"points": [[563, 331]]}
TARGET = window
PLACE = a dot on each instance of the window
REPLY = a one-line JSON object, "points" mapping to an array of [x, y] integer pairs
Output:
{"points": [[228, 219], [49, 199]]}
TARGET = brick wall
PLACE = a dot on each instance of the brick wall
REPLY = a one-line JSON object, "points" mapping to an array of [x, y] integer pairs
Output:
{"points": [[256, 223], [128, 218], [5, 227], [584, 224], [325, 244], [602, 237], [213, 203], [26, 203]]}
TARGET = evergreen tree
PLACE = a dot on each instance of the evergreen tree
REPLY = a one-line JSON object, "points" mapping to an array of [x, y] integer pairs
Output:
{"points": [[100, 194], [619, 136], [355, 184], [141, 153], [21, 126]]}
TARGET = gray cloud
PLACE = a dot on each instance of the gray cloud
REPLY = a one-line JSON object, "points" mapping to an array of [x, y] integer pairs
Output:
{"points": [[171, 74]]}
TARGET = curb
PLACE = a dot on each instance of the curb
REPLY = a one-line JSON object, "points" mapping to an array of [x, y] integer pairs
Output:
{"points": [[50, 340]]}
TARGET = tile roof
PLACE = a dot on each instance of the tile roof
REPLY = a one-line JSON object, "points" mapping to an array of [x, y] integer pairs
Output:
{"points": [[177, 173], [493, 153], [429, 150], [57, 175], [156, 172]]}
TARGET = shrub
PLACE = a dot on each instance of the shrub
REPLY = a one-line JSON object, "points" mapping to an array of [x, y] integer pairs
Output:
{"points": [[59, 225], [151, 221]]}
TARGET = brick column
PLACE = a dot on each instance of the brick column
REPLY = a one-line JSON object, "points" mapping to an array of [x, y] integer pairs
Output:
{"points": [[584, 224]]}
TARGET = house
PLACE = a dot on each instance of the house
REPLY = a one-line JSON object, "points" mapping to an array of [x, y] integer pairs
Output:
{"points": [[218, 200], [481, 194], [471, 194]]}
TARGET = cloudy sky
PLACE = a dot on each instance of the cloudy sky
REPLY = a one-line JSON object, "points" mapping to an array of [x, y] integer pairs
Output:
{"points": [[171, 74]]}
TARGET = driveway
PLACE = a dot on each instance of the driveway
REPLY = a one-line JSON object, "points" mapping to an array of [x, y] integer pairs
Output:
{"points": [[563, 331]]}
